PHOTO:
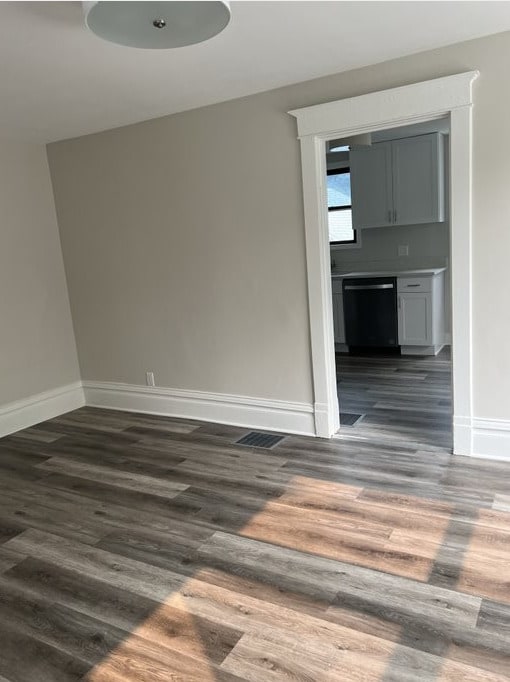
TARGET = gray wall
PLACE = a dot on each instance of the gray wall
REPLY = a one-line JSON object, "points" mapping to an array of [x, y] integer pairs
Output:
{"points": [[184, 244], [37, 348]]}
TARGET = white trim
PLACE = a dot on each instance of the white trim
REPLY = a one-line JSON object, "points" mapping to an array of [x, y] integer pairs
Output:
{"points": [[271, 415], [38, 408], [463, 435], [461, 277], [491, 439], [485, 438], [313, 164], [421, 350], [376, 111], [421, 101]]}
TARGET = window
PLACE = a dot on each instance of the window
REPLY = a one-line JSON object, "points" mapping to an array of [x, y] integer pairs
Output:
{"points": [[339, 207]]}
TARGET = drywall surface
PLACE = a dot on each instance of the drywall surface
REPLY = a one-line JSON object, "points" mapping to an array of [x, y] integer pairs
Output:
{"points": [[37, 347], [184, 241]]}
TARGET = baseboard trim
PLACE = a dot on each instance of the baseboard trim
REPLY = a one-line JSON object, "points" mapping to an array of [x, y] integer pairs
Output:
{"points": [[271, 415], [484, 438], [21, 414], [491, 439], [421, 350], [462, 436]]}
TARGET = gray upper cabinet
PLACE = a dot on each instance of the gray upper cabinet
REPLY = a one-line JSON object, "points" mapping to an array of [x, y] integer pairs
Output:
{"points": [[399, 182], [371, 185], [418, 180]]}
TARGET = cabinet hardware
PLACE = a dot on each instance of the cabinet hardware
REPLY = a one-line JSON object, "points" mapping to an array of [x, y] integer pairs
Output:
{"points": [[413, 285]]}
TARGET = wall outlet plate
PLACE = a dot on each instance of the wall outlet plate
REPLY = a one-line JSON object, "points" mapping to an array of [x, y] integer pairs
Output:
{"points": [[149, 378], [403, 250]]}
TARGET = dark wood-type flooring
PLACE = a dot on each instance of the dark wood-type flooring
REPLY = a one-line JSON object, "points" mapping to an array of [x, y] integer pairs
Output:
{"points": [[141, 548], [406, 398]]}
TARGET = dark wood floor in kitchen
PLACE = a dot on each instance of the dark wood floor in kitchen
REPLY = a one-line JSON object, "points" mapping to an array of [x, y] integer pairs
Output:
{"points": [[401, 398], [139, 548]]}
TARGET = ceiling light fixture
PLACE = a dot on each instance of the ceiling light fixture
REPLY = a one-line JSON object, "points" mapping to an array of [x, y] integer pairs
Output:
{"points": [[157, 25]]}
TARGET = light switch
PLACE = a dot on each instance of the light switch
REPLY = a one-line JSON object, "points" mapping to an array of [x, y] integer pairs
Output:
{"points": [[403, 250]]}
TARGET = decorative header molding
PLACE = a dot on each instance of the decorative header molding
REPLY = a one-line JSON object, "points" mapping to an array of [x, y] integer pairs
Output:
{"points": [[426, 99]]}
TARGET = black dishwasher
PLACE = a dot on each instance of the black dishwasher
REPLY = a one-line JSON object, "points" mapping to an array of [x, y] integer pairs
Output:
{"points": [[370, 312]]}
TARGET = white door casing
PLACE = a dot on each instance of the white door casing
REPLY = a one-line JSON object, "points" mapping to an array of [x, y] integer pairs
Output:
{"points": [[449, 96]]}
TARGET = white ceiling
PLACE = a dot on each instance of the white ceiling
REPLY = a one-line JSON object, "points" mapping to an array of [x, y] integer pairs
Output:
{"points": [[58, 80]]}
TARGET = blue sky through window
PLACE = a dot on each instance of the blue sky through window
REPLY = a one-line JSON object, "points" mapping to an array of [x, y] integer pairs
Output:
{"points": [[339, 190]]}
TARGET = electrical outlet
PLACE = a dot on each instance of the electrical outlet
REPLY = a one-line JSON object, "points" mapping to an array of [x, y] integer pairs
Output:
{"points": [[149, 377], [403, 250]]}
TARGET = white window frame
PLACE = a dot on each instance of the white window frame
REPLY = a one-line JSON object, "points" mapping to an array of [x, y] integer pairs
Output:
{"points": [[450, 96]]}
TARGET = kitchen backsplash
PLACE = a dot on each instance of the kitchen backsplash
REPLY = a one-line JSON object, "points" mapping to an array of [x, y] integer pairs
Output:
{"points": [[428, 247]]}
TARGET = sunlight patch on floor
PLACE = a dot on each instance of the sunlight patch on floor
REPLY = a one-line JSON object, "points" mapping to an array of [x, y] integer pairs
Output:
{"points": [[329, 519]]}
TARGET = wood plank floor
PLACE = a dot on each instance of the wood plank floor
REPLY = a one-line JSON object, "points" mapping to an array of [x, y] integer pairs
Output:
{"points": [[405, 398], [138, 548]]}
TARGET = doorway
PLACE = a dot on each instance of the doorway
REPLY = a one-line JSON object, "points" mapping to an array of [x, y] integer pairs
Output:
{"points": [[418, 103], [388, 222]]}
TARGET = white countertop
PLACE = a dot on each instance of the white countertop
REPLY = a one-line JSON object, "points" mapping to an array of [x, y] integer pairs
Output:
{"points": [[388, 273]]}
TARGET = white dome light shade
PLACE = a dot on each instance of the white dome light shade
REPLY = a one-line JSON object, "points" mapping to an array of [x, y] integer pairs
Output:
{"points": [[157, 25]]}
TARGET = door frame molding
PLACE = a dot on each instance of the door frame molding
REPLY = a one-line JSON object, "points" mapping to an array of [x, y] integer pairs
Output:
{"points": [[449, 96]]}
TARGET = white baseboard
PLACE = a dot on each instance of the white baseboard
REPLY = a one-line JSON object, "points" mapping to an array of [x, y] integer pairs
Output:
{"points": [[491, 439], [421, 350], [462, 436], [258, 413], [485, 438], [37, 408]]}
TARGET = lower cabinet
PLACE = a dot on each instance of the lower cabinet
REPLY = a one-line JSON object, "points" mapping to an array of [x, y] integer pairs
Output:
{"points": [[415, 319], [420, 310], [421, 314]]}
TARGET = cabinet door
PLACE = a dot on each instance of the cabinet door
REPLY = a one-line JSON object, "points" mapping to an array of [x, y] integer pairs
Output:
{"points": [[415, 319], [338, 317], [371, 193], [418, 180]]}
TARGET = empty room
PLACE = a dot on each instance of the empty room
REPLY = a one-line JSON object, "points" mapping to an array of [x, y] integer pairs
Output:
{"points": [[254, 395]]}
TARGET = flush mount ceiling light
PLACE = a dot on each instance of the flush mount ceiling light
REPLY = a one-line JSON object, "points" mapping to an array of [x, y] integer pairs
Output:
{"points": [[156, 25]]}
